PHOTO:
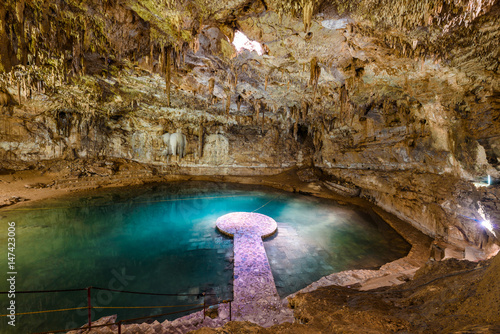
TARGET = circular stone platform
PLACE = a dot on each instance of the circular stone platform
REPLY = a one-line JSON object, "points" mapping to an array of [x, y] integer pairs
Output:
{"points": [[246, 223]]}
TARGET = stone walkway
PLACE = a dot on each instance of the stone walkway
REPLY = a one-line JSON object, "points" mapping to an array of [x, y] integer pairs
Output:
{"points": [[255, 296]]}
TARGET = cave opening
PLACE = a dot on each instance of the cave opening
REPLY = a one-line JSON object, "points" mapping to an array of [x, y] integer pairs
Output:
{"points": [[242, 42]]}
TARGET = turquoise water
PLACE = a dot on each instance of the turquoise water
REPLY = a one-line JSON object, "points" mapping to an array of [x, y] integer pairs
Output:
{"points": [[162, 238]]}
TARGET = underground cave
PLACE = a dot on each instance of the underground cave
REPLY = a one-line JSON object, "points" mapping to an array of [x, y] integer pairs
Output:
{"points": [[369, 131]]}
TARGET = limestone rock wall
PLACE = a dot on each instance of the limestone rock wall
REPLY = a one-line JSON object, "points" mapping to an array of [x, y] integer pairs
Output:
{"points": [[27, 138]]}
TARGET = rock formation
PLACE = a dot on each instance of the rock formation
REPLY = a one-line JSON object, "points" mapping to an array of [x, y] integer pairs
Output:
{"points": [[398, 100]]}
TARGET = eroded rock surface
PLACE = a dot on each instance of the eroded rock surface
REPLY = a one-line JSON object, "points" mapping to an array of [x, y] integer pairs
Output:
{"points": [[447, 296], [396, 102]]}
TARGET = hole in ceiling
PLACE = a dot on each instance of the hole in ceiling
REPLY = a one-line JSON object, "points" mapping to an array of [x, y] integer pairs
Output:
{"points": [[241, 42]]}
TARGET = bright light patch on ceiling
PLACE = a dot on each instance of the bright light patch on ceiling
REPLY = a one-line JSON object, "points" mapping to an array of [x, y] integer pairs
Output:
{"points": [[241, 42], [489, 226]]}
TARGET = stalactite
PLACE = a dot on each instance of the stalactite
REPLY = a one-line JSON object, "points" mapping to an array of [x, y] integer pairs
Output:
{"points": [[227, 90], [151, 58], [53, 77], [167, 74], [263, 121], [296, 124], [5, 61], [239, 99], [256, 106], [177, 58], [65, 69], [307, 11], [305, 109], [317, 139], [229, 81], [422, 126], [211, 85], [263, 108], [76, 57], [82, 63], [267, 79], [26, 95], [385, 107], [194, 44], [315, 72], [162, 60], [19, 92], [343, 102], [184, 49], [201, 133], [20, 33]]}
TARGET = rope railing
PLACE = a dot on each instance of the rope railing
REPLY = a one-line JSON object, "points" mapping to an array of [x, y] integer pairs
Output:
{"points": [[90, 307], [154, 293], [115, 290], [45, 311], [98, 307], [265, 204], [43, 291], [119, 323]]}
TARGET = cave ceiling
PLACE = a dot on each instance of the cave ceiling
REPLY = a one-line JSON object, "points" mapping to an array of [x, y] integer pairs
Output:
{"points": [[327, 64], [395, 102]]}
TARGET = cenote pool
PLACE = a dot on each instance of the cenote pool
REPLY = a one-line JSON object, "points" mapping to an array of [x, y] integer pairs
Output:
{"points": [[162, 238]]}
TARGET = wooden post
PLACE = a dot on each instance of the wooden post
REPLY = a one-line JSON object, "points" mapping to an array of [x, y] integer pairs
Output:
{"points": [[89, 307], [204, 305], [167, 75]]}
